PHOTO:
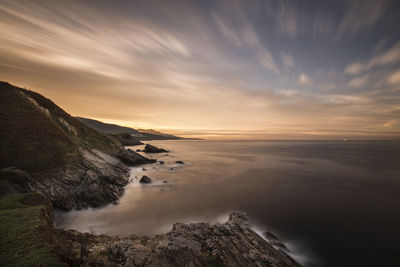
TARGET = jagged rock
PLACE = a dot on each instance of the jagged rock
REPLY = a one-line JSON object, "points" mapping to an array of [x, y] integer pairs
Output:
{"points": [[161, 162], [127, 139], [152, 149], [231, 243], [145, 180], [179, 162]]}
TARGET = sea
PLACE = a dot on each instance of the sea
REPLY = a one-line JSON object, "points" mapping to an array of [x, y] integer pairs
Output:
{"points": [[332, 203]]}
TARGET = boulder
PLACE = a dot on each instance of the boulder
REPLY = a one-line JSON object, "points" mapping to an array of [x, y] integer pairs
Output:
{"points": [[152, 149], [179, 162], [145, 180]]}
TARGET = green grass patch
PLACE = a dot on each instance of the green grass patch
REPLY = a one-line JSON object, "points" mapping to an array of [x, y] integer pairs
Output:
{"points": [[21, 242]]}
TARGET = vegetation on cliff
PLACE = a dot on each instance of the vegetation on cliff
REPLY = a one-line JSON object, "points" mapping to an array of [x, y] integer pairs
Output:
{"points": [[44, 149], [23, 226]]}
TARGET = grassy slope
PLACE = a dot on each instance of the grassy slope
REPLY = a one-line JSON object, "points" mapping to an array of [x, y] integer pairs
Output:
{"points": [[35, 140], [29, 140], [21, 242]]}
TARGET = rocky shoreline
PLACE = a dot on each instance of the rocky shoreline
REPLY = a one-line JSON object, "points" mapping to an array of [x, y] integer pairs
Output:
{"points": [[53, 160], [231, 243], [96, 180]]}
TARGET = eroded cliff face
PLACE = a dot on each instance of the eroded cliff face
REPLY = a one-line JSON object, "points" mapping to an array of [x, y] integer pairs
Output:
{"points": [[231, 243], [98, 178], [43, 149]]}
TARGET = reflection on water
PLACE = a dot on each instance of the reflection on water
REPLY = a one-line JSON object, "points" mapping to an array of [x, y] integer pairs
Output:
{"points": [[335, 202]]}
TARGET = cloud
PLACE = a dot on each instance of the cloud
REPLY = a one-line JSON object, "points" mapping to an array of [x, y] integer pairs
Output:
{"points": [[151, 68], [267, 61], [358, 82], [304, 80], [394, 79], [287, 60], [360, 15], [388, 57], [390, 123]]}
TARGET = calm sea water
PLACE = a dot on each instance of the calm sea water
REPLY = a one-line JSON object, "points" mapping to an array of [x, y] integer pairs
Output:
{"points": [[333, 203]]}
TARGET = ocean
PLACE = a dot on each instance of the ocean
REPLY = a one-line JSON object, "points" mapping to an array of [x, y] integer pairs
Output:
{"points": [[333, 203]]}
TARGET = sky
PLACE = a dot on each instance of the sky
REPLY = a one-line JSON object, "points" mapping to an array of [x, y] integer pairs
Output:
{"points": [[264, 69]]}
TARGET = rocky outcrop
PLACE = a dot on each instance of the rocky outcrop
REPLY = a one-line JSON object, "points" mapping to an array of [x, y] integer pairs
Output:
{"points": [[44, 149], [97, 179], [152, 149], [232, 243], [127, 139], [145, 180]]}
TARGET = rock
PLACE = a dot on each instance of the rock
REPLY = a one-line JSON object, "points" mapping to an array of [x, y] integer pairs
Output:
{"points": [[145, 180], [132, 158], [231, 243], [165, 182], [161, 162], [144, 169], [152, 149], [270, 235], [127, 139], [75, 253], [179, 162]]}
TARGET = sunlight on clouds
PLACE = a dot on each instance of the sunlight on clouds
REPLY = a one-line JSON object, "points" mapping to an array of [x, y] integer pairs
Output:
{"points": [[232, 66], [304, 79]]}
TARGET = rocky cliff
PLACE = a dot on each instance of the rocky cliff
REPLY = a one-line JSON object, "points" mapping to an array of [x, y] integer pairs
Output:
{"points": [[44, 149]]}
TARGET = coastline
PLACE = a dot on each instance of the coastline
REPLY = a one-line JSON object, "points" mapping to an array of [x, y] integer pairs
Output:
{"points": [[194, 241]]}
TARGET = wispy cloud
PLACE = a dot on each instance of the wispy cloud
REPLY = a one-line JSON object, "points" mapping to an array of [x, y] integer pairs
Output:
{"points": [[304, 79], [229, 65], [388, 57], [358, 81], [287, 60], [361, 15], [394, 78]]}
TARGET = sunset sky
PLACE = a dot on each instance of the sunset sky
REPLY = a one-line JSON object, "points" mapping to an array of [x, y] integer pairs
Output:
{"points": [[259, 68]]}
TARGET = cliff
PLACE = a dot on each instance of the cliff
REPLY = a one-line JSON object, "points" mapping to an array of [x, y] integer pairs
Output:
{"points": [[44, 149], [127, 133]]}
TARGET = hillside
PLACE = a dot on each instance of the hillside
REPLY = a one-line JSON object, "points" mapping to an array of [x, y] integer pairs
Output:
{"points": [[44, 149], [116, 130]]}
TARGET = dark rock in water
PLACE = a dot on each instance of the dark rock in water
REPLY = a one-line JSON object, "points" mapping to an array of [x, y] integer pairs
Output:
{"points": [[231, 243], [161, 162], [145, 180], [179, 162], [152, 149], [144, 169], [165, 182], [171, 169], [270, 235]]}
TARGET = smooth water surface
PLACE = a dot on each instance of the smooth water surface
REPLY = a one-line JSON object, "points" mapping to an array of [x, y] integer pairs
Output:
{"points": [[334, 203]]}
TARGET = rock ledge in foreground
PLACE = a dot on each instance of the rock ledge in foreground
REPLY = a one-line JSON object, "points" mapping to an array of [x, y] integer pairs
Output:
{"points": [[231, 243]]}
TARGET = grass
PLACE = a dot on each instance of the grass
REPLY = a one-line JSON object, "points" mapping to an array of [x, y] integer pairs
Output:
{"points": [[36, 135], [21, 240]]}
